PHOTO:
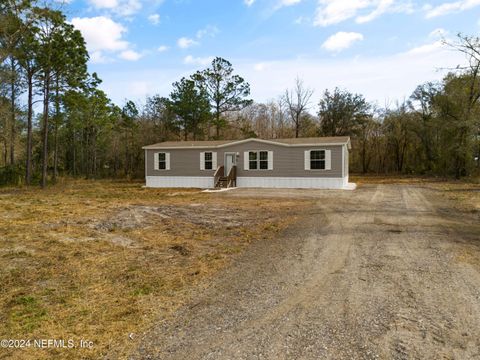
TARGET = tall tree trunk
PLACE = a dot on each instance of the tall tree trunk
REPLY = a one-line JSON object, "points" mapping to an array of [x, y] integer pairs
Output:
{"points": [[55, 138], [94, 150], [5, 151], [74, 154], [126, 153], [115, 159], [28, 165], [46, 94], [13, 129], [297, 125], [364, 157], [86, 158], [217, 120]]}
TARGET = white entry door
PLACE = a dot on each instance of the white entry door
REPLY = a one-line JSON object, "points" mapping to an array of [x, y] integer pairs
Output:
{"points": [[230, 161]]}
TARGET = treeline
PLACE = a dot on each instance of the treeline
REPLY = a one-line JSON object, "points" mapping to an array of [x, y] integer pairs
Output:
{"points": [[55, 121], [43, 64]]}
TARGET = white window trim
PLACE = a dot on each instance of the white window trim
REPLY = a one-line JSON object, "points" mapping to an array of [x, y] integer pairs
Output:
{"points": [[203, 161], [246, 160], [328, 160], [156, 162]]}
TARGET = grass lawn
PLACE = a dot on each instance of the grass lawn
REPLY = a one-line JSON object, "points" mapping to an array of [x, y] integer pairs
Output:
{"points": [[101, 261]]}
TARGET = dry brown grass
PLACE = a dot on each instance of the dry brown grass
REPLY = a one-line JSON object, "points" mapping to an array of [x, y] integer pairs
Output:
{"points": [[392, 179], [464, 194], [102, 260]]}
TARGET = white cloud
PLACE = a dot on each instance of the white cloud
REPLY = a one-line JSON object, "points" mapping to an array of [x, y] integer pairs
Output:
{"points": [[334, 11], [427, 48], [438, 33], [378, 78], [450, 7], [261, 66], [154, 19], [101, 33], [249, 2], [383, 7], [300, 20], [190, 60], [139, 88], [97, 57], [209, 30], [120, 7], [341, 41], [285, 3], [105, 36], [185, 43], [163, 48], [130, 55], [104, 4], [331, 12]]}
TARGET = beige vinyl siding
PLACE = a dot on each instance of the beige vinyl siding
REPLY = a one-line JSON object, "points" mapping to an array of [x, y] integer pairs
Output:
{"points": [[287, 161]]}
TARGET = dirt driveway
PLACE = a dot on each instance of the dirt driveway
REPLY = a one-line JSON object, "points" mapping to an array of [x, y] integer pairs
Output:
{"points": [[384, 272]]}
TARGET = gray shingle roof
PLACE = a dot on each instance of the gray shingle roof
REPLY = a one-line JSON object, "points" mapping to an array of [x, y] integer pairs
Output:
{"points": [[222, 143]]}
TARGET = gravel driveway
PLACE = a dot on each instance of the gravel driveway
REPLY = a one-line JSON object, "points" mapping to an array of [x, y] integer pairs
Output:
{"points": [[383, 272]]}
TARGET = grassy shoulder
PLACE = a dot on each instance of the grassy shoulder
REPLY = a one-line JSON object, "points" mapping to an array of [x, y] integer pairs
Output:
{"points": [[101, 261]]}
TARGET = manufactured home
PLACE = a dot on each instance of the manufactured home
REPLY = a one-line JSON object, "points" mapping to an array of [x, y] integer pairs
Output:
{"points": [[320, 163]]}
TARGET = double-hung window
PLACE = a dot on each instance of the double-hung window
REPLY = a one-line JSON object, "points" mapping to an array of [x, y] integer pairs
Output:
{"points": [[258, 160], [317, 160], [162, 161], [208, 161], [252, 160], [263, 160]]}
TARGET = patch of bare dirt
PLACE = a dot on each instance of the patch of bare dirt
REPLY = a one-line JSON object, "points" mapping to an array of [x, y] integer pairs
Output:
{"points": [[140, 216]]}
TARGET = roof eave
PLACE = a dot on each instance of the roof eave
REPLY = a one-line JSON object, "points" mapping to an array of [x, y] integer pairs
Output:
{"points": [[272, 142]]}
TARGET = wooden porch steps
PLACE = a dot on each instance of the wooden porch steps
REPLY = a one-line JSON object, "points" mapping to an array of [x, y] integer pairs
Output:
{"points": [[221, 181]]}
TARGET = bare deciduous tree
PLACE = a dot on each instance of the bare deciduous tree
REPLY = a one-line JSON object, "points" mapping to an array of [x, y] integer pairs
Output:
{"points": [[297, 101]]}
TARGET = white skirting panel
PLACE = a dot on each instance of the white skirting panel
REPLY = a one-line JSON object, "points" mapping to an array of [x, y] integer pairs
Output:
{"points": [[180, 182], [291, 182]]}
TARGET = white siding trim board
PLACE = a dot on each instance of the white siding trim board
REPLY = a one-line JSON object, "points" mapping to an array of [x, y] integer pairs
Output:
{"points": [[247, 182], [201, 182], [291, 182]]}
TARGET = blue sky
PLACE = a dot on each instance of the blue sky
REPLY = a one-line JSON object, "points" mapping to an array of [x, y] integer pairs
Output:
{"points": [[380, 48]]}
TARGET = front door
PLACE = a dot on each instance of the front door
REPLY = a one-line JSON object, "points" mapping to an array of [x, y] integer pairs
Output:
{"points": [[230, 160]]}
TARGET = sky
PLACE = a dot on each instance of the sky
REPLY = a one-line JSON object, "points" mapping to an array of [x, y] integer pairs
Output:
{"points": [[382, 49]]}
